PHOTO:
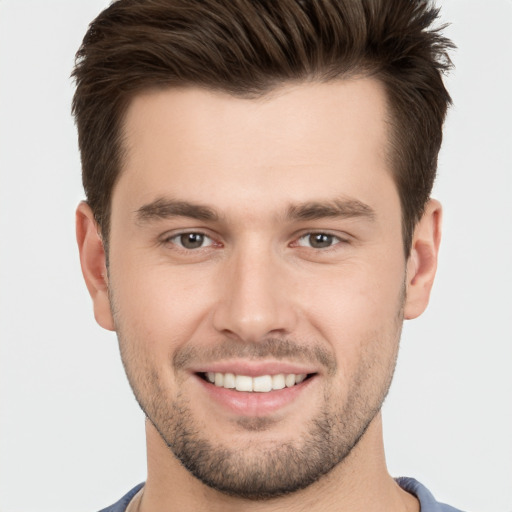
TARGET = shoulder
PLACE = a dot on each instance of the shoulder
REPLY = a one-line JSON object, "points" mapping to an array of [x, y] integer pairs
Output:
{"points": [[425, 497], [121, 505]]}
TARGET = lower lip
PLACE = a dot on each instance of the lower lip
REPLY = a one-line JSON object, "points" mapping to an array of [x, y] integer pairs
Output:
{"points": [[255, 403]]}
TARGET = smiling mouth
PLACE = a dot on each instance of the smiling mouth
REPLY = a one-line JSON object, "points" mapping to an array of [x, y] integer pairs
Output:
{"points": [[258, 384]]}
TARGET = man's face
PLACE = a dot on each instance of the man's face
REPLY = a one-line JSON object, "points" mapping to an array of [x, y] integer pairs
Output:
{"points": [[258, 243]]}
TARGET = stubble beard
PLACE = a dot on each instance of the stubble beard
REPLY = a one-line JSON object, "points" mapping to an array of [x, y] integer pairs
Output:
{"points": [[275, 469], [257, 473]]}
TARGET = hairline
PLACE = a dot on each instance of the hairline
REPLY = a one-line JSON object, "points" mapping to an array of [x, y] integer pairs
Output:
{"points": [[268, 92]]}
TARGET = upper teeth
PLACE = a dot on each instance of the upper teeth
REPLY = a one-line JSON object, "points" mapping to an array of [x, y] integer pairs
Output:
{"points": [[262, 383]]}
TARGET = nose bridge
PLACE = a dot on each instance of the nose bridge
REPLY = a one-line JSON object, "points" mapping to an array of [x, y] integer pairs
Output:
{"points": [[253, 302]]}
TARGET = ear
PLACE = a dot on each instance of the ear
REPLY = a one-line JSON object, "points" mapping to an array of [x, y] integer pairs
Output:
{"points": [[93, 262], [422, 262]]}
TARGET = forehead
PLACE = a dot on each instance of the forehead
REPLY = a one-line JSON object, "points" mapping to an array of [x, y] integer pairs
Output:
{"points": [[298, 141]]}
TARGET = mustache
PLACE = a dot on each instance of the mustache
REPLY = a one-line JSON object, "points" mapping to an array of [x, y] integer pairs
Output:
{"points": [[275, 348]]}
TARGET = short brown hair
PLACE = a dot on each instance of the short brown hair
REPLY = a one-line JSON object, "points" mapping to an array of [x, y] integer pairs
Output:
{"points": [[248, 47]]}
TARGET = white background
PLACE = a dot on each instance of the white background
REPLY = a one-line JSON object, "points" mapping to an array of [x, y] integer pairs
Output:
{"points": [[71, 435]]}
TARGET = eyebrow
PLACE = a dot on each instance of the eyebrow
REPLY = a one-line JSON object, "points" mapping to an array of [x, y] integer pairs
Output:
{"points": [[167, 208], [163, 208], [337, 208]]}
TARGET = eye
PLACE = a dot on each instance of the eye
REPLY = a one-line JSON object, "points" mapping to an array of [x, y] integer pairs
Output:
{"points": [[318, 240], [191, 240]]}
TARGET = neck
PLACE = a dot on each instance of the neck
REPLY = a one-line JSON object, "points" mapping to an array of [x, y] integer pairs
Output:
{"points": [[359, 483]]}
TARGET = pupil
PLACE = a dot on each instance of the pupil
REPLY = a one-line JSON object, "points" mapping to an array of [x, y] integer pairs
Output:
{"points": [[321, 240], [192, 240]]}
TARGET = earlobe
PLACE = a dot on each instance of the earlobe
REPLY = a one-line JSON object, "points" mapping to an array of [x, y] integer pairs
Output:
{"points": [[93, 262], [422, 262]]}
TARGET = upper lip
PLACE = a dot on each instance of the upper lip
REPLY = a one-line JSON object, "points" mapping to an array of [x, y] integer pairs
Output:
{"points": [[254, 368]]}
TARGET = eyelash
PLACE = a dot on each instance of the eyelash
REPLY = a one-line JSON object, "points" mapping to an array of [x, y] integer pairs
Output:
{"points": [[175, 240], [335, 239], [170, 239]]}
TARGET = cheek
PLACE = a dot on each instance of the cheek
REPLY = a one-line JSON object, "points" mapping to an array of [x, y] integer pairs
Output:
{"points": [[154, 318], [157, 305], [357, 305]]}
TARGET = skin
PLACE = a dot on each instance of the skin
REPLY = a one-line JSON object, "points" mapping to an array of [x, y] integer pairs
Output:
{"points": [[258, 283]]}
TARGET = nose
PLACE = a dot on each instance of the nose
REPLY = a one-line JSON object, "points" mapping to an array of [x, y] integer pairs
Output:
{"points": [[256, 297]]}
